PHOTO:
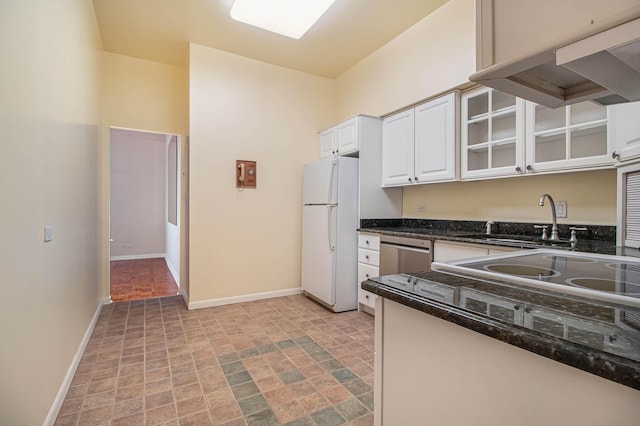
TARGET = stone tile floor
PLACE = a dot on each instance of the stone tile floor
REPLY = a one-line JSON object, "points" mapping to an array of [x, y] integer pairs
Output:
{"points": [[278, 361], [141, 279]]}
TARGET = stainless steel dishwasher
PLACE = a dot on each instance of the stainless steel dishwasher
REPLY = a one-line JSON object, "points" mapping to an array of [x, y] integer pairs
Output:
{"points": [[402, 254]]}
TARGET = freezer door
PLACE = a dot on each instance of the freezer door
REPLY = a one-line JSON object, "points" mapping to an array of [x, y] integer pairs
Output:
{"points": [[320, 182], [318, 252]]}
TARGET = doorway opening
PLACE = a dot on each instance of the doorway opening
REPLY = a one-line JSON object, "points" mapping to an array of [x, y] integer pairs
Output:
{"points": [[144, 214]]}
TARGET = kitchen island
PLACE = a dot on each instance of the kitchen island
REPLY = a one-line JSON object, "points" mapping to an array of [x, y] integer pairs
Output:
{"points": [[453, 350]]}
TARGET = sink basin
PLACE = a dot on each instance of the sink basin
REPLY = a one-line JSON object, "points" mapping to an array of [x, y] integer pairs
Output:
{"points": [[522, 270], [614, 279], [517, 239], [513, 240]]}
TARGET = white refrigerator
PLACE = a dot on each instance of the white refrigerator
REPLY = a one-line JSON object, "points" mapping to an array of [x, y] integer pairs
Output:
{"points": [[329, 237]]}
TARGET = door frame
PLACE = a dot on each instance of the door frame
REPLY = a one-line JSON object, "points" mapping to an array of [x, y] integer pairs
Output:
{"points": [[182, 210]]}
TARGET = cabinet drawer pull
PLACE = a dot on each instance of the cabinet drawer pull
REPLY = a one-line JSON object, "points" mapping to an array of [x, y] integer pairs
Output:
{"points": [[366, 275], [366, 257]]}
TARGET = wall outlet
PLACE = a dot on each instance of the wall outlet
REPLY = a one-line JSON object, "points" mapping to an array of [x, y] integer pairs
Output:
{"points": [[561, 209], [421, 208]]}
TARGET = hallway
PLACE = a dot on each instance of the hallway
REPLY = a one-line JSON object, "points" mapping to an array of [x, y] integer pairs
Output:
{"points": [[141, 279]]}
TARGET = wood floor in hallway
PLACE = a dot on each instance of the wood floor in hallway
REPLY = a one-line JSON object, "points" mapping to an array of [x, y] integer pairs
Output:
{"points": [[141, 279]]}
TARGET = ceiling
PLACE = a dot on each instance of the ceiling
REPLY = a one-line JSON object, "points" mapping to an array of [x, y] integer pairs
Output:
{"points": [[160, 30]]}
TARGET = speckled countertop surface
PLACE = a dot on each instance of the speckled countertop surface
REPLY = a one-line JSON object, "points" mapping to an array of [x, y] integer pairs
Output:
{"points": [[598, 337], [597, 239]]}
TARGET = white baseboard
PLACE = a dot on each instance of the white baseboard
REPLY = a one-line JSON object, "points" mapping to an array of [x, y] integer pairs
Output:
{"points": [[173, 271], [244, 298], [137, 256], [71, 371]]}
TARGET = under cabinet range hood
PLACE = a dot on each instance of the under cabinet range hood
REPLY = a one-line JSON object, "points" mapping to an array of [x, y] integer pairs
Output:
{"points": [[602, 66]]}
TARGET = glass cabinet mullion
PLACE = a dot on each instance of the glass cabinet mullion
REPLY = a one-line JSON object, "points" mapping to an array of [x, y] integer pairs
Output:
{"points": [[568, 133], [490, 134]]}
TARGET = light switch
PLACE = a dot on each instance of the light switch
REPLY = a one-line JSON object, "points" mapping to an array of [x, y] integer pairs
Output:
{"points": [[48, 234], [561, 209]]}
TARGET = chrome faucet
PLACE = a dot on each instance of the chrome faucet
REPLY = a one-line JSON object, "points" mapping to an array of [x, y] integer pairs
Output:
{"points": [[554, 226]]}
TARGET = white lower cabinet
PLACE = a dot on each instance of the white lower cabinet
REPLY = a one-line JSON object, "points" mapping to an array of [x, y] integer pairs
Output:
{"points": [[444, 251], [368, 267]]}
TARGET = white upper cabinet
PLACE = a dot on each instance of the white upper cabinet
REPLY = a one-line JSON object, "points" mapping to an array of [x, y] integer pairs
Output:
{"points": [[419, 145], [492, 136], [435, 140], [397, 149], [503, 135], [328, 142], [624, 125], [341, 139], [573, 137], [348, 136]]}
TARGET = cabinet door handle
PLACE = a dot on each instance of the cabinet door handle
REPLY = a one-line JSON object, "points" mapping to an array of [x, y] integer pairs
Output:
{"points": [[615, 155], [529, 167], [409, 179], [518, 169], [415, 178]]}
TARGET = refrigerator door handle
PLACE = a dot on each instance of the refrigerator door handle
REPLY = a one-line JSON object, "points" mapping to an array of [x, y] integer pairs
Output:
{"points": [[330, 207], [333, 168]]}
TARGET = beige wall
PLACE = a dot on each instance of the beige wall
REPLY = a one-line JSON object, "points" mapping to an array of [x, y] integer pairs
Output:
{"points": [[241, 109], [435, 55], [590, 197], [144, 95], [141, 95], [49, 175]]}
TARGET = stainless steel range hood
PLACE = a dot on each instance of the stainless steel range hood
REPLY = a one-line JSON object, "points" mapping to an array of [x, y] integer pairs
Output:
{"points": [[602, 65]]}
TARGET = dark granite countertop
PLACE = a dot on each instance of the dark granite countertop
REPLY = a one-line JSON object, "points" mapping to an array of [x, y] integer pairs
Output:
{"points": [[598, 337], [597, 239]]}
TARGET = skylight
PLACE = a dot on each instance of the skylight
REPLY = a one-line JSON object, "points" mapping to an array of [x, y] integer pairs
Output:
{"points": [[291, 18]]}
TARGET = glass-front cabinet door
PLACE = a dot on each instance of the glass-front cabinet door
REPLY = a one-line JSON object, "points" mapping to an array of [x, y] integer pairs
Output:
{"points": [[567, 138], [492, 137]]}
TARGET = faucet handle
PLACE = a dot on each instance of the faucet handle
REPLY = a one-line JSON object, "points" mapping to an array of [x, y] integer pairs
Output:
{"points": [[488, 225], [573, 239], [544, 231]]}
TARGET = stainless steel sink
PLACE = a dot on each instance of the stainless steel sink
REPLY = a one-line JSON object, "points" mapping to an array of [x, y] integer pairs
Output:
{"points": [[517, 239], [608, 278]]}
